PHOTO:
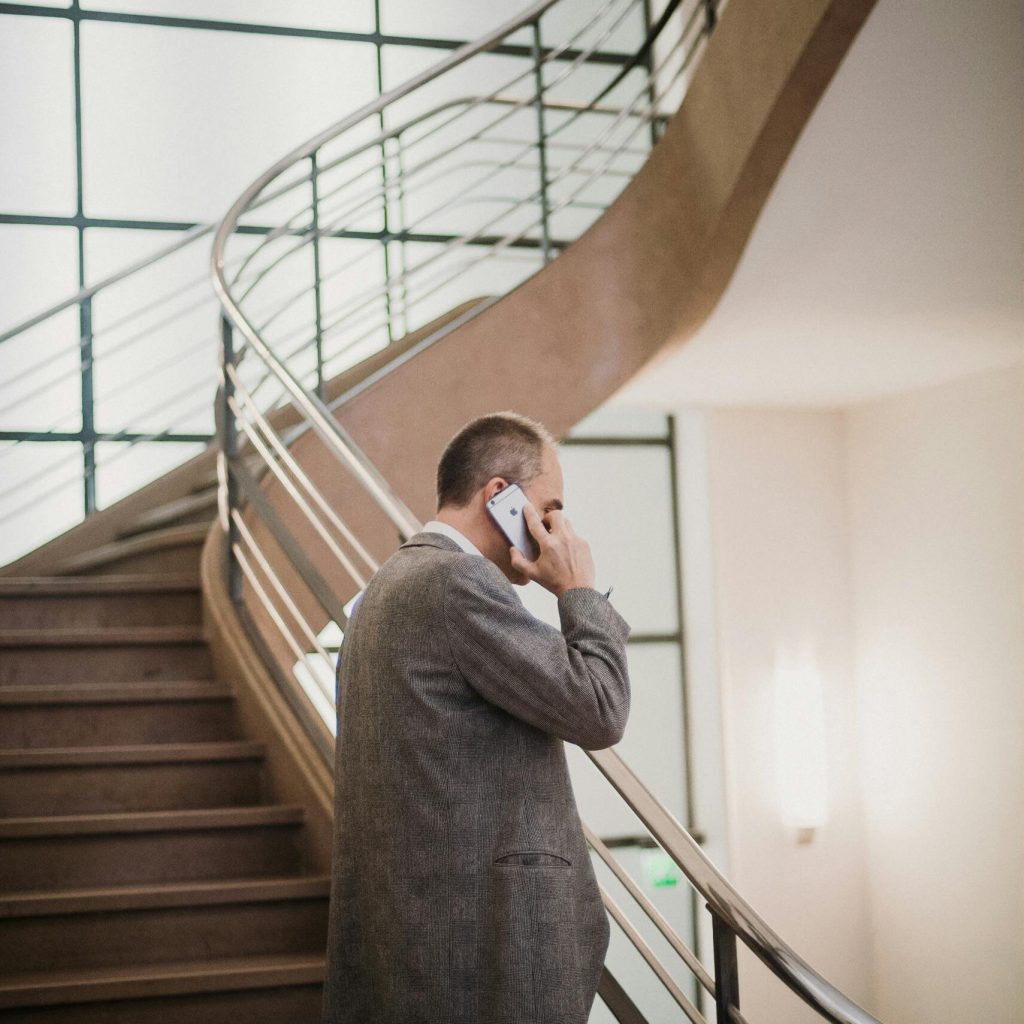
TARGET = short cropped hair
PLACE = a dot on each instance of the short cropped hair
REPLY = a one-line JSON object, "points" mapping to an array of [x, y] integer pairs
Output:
{"points": [[501, 444]]}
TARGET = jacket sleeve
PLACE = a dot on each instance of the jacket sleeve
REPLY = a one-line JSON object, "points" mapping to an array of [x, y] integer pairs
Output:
{"points": [[573, 683]]}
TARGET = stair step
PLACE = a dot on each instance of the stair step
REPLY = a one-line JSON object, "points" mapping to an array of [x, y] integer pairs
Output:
{"points": [[163, 922], [114, 693], [146, 984], [125, 713], [165, 894], [197, 507], [88, 850], [123, 583], [132, 754], [100, 601], [155, 550], [108, 636], [38, 657], [130, 777]]}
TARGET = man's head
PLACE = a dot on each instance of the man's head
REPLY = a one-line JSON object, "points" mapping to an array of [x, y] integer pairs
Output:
{"points": [[483, 458]]}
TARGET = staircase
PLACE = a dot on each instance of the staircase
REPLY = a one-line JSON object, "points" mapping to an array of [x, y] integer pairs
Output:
{"points": [[146, 873]]}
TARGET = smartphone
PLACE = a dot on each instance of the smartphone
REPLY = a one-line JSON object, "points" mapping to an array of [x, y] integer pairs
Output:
{"points": [[506, 509]]}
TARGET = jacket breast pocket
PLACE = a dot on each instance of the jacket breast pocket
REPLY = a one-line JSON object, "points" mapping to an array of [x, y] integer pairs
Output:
{"points": [[533, 858]]}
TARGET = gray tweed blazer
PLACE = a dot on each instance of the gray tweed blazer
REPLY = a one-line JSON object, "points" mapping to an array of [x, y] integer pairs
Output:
{"points": [[462, 888]]}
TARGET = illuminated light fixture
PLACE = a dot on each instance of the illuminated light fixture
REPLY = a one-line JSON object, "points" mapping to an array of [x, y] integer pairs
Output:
{"points": [[801, 764]]}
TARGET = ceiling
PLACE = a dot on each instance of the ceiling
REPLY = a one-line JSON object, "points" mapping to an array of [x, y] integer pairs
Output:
{"points": [[890, 254]]}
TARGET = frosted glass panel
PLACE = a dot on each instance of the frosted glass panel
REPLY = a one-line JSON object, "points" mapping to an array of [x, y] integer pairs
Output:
{"points": [[39, 369], [440, 278], [652, 745], [621, 421], [37, 117], [121, 469], [40, 494], [156, 338], [40, 377], [457, 19], [620, 500], [350, 16], [179, 121], [38, 268]]}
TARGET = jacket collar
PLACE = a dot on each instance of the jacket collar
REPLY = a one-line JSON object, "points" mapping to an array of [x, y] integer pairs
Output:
{"points": [[431, 540]]}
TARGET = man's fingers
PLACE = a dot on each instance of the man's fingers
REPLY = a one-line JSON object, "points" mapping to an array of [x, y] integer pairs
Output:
{"points": [[534, 522], [520, 562]]}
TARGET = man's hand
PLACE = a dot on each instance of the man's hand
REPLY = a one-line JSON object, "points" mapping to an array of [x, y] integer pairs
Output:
{"points": [[564, 561]]}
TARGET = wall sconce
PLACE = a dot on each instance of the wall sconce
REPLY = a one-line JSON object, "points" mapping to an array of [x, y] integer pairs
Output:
{"points": [[801, 762]]}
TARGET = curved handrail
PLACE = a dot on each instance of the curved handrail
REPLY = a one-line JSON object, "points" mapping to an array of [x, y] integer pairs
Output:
{"points": [[732, 916]]}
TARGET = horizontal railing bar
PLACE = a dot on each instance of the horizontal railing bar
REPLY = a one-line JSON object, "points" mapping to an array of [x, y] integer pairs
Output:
{"points": [[311, 576], [641, 946], [268, 571], [258, 28], [289, 486], [724, 900], [651, 911], [82, 436], [285, 456], [271, 609]]}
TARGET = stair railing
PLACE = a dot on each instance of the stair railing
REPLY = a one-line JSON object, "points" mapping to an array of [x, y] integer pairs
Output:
{"points": [[520, 171]]}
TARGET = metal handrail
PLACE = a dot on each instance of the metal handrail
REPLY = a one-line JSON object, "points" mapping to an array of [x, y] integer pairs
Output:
{"points": [[732, 917]]}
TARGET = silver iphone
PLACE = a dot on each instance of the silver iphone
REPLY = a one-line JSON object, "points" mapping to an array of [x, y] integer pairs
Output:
{"points": [[506, 509]]}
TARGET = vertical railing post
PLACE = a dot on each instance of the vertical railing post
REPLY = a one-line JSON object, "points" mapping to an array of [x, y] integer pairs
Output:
{"points": [[402, 221], [542, 144], [228, 452], [727, 975], [314, 176], [710, 15], [88, 406]]}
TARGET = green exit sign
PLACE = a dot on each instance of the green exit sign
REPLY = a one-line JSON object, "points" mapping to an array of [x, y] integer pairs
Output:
{"points": [[662, 871]]}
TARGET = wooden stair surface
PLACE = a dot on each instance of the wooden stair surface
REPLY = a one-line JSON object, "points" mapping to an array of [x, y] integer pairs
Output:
{"points": [[144, 876]]}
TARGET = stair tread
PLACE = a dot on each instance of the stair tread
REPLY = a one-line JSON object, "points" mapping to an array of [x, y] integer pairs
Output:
{"points": [[113, 693], [164, 894], [169, 536], [132, 753], [166, 513], [151, 821], [115, 583], [160, 979], [100, 636]]}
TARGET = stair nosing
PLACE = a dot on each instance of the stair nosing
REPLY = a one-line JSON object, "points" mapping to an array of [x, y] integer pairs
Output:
{"points": [[102, 636], [156, 896], [135, 822], [42, 988], [132, 754], [99, 585], [150, 692]]}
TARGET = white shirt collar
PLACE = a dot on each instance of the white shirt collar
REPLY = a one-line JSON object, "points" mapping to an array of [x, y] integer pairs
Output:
{"points": [[436, 526]]}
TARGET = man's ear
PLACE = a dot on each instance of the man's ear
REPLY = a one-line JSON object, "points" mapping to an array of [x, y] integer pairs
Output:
{"points": [[493, 486]]}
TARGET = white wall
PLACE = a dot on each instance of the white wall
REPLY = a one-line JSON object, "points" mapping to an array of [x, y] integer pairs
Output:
{"points": [[888, 535], [936, 484], [776, 480]]}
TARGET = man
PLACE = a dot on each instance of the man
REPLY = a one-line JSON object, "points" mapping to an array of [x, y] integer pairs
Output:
{"points": [[462, 889]]}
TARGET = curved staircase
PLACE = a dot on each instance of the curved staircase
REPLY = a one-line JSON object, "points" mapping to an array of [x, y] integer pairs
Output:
{"points": [[165, 776]]}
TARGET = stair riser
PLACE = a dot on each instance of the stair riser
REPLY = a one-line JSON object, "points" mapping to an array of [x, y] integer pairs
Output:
{"points": [[112, 939], [297, 1004], [176, 608], [115, 663], [175, 559], [96, 725], [98, 860], [98, 789]]}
